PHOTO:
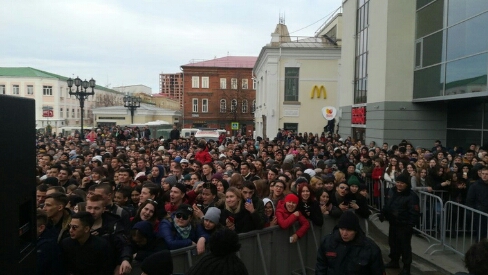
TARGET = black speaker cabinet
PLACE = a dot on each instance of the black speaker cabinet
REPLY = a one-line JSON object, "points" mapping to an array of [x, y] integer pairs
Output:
{"points": [[17, 185]]}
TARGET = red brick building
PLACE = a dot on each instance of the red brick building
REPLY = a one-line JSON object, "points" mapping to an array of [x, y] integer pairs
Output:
{"points": [[219, 92]]}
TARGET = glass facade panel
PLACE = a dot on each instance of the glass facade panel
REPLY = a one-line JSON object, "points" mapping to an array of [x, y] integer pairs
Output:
{"points": [[459, 10], [485, 117], [361, 62], [463, 114], [466, 75], [468, 38], [462, 138], [421, 3], [432, 49], [428, 82], [430, 18], [418, 54]]}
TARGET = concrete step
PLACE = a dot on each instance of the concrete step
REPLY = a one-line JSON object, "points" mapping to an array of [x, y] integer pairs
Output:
{"points": [[420, 266]]}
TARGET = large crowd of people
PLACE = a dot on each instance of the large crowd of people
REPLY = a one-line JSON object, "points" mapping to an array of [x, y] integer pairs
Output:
{"points": [[147, 195]]}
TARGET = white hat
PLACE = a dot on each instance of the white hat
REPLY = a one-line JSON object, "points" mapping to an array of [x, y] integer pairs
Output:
{"points": [[99, 158], [310, 172], [184, 161], [161, 148], [222, 156]]}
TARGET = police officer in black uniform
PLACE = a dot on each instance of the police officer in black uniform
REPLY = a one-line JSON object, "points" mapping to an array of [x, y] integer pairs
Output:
{"points": [[402, 211], [347, 250]]}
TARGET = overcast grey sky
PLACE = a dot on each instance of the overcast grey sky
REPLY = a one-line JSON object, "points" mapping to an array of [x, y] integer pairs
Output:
{"points": [[127, 42]]}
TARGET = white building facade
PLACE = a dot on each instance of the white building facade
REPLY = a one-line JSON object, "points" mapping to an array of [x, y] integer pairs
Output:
{"points": [[54, 105], [294, 82]]}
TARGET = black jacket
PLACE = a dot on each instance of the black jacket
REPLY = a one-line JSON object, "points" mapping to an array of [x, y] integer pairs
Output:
{"points": [[48, 254], [312, 212], [402, 208], [360, 256], [113, 231], [244, 220], [91, 258]]}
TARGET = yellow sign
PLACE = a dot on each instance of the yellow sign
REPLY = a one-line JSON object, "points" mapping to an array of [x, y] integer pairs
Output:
{"points": [[318, 90], [234, 125]]}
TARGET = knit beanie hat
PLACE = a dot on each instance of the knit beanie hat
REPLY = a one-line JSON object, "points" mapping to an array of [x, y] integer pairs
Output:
{"points": [[222, 259], [291, 198], [146, 229], [213, 215], [301, 180], [349, 220], [160, 263], [187, 177], [180, 186], [353, 180], [171, 180], [217, 176], [403, 178]]}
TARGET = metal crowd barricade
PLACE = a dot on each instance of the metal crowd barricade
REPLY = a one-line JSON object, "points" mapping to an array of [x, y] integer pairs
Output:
{"points": [[464, 226], [432, 223], [268, 251]]}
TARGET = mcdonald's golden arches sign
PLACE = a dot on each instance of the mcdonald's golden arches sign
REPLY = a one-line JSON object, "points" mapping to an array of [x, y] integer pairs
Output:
{"points": [[318, 91]]}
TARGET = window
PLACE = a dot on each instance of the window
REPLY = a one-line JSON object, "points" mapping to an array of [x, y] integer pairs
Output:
{"points": [[15, 90], [245, 84], [291, 84], [195, 82], [233, 83], [361, 56], [205, 82], [61, 112], [30, 89], [67, 93], [223, 83], [223, 105], [254, 84], [67, 112], [72, 113], [204, 105], [77, 113], [47, 90], [233, 106], [253, 107], [244, 106], [195, 105], [2, 89]]}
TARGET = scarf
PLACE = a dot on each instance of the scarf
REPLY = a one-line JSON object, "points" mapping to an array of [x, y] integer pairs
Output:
{"points": [[183, 231]]}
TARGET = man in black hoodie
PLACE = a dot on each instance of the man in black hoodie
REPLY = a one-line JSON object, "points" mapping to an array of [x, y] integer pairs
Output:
{"points": [[402, 211]]}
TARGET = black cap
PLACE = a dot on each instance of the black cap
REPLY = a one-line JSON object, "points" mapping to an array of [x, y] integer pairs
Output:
{"points": [[403, 178], [349, 220]]}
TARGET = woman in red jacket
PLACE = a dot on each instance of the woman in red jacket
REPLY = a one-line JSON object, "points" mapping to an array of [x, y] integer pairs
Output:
{"points": [[287, 214], [377, 174]]}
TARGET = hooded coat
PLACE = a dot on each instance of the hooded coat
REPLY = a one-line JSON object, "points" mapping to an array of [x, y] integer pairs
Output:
{"points": [[268, 219], [287, 219]]}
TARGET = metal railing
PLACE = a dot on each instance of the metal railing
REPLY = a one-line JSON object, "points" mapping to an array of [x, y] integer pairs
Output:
{"points": [[464, 226], [268, 251]]}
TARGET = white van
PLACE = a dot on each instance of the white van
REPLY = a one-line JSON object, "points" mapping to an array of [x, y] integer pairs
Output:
{"points": [[207, 135], [187, 132]]}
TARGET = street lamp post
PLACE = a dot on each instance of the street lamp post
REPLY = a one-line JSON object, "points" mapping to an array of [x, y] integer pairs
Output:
{"points": [[81, 93], [132, 102]]}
